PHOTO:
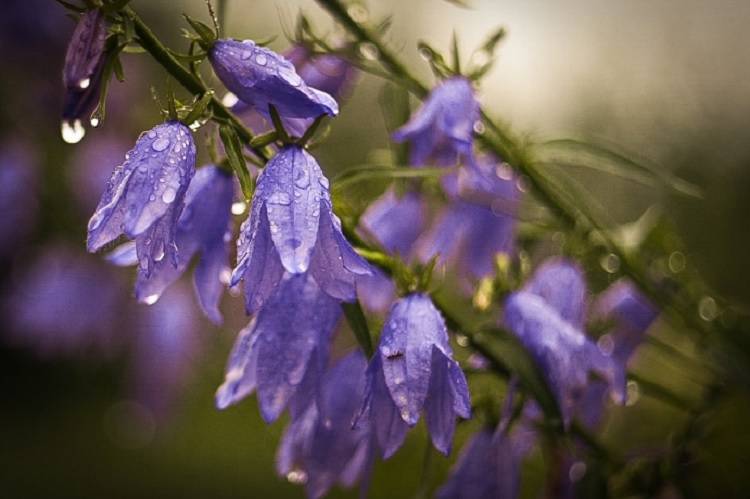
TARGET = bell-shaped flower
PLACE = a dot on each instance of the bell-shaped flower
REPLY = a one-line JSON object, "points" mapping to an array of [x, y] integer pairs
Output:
{"points": [[260, 77], [284, 349], [547, 315], [478, 223], [413, 370], [628, 314], [292, 228], [204, 227], [82, 73], [145, 196], [320, 447], [441, 131], [330, 73]]}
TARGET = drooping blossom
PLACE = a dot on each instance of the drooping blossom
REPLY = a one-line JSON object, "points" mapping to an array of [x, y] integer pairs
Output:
{"points": [[203, 227], [478, 223], [320, 446], [413, 370], [328, 73], [260, 77], [19, 202], [441, 131], [166, 346], [628, 314], [145, 196], [82, 73], [292, 228], [547, 315], [283, 352], [64, 304]]}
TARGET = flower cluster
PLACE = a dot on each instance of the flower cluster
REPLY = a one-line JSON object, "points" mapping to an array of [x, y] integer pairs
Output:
{"points": [[296, 268]]}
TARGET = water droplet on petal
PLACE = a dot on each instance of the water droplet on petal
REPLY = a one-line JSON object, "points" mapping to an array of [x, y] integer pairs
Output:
{"points": [[159, 255], [281, 198], [297, 477], [261, 59], [72, 133], [301, 178], [169, 195], [323, 181], [160, 144], [246, 54], [152, 134], [151, 299], [84, 83], [239, 208], [606, 344]]}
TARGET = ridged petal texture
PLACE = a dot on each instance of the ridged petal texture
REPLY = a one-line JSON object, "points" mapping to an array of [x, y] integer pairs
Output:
{"points": [[321, 446], [261, 77], [84, 62], [441, 131], [292, 228], [204, 227], [145, 196], [284, 350], [412, 370], [547, 316]]}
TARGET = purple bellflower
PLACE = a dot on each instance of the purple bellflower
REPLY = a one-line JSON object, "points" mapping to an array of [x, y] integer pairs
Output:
{"points": [[478, 223], [320, 447], [260, 77], [629, 315], [19, 201], [441, 131], [82, 73], [547, 315], [203, 227], [284, 349], [292, 228], [413, 369], [65, 304], [145, 196], [166, 347]]}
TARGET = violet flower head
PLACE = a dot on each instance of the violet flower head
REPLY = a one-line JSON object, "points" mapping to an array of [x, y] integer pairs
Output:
{"points": [[260, 77], [489, 466], [82, 73], [478, 224], [320, 447], [328, 72], [547, 317], [64, 304], [441, 131], [413, 369], [144, 198], [203, 227], [292, 228], [396, 221], [284, 350]]}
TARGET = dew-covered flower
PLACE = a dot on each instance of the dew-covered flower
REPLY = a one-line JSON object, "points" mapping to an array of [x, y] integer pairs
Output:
{"points": [[82, 73], [628, 314], [203, 227], [260, 77], [489, 466], [284, 350], [327, 72], [548, 315], [413, 370], [320, 447], [145, 196], [64, 304], [292, 228], [395, 221], [441, 131], [167, 344], [478, 223]]}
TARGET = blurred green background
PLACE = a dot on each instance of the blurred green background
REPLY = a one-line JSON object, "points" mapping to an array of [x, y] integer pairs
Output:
{"points": [[667, 80]]}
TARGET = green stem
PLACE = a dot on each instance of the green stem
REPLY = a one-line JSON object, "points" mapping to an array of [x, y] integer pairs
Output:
{"points": [[151, 44]]}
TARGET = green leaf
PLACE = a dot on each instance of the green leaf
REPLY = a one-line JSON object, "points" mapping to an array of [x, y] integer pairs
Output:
{"points": [[233, 148], [572, 152], [264, 139], [199, 108], [207, 35], [373, 172], [358, 323], [490, 44]]}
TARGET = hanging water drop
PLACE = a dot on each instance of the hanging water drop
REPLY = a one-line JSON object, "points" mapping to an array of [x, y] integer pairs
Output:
{"points": [[239, 208], [84, 83], [229, 100], [94, 121], [151, 299], [72, 133]]}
